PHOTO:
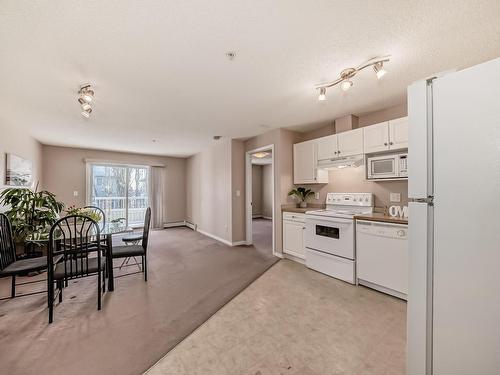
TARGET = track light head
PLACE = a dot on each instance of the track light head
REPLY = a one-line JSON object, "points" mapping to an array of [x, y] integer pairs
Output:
{"points": [[346, 84], [86, 113], [322, 94], [379, 69]]}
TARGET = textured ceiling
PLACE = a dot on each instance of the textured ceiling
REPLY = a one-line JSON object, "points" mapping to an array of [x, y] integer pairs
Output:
{"points": [[160, 71]]}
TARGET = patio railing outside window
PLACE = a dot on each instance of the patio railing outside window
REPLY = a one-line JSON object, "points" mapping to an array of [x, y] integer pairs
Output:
{"points": [[121, 191]]}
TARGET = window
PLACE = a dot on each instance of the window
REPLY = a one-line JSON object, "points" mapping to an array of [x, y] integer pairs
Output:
{"points": [[122, 191]]}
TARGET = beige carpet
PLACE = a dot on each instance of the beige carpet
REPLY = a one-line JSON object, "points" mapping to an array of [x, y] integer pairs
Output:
{"points": [[190, 277]]}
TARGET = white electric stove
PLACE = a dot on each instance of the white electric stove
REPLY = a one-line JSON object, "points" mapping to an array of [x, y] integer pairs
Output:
{"points": [[329, 236]]}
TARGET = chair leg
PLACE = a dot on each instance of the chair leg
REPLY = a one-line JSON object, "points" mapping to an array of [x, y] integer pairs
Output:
{"points": [[104, 280], [13, 288], [60, 285], [145, 267], [99, 290], [50, 296]]}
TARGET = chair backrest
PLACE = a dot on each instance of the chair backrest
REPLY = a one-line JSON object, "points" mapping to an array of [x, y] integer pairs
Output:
{"points": [[100, 211], [145, 231], [7, 248], [75, 237]]}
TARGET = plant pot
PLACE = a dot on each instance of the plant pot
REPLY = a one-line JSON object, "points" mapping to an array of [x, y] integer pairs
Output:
{"points": [[303, 204]]}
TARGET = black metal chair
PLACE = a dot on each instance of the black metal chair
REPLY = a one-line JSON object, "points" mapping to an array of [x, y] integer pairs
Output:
{"points": [[130, 251], [77, 239], [9, 265], [100, 211]]}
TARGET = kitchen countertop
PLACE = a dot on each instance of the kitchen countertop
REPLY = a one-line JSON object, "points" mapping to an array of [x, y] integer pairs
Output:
{"points": [[381, 217], [312, 207]]}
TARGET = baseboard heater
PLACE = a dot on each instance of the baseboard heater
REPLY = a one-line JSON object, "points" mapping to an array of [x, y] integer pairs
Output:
{"points": [[176, 224]]}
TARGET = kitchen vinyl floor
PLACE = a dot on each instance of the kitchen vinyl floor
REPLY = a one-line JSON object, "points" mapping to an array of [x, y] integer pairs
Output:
{"points": [[293, 320]]}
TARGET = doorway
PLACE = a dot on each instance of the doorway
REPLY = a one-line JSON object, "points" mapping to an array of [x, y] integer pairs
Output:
{"points": [[260, 199]]}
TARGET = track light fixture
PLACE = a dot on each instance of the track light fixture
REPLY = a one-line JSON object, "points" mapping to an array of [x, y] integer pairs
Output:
{"points": [[85, 97], [345, 76]]}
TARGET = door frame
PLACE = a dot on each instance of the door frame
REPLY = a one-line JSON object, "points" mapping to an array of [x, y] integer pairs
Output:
{"points": [[248, 194]]}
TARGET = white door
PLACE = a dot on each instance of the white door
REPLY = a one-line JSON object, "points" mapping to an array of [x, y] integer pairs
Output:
{"points": [[327, 147], [304, 162], [398, 133], [350, 142], [466, 239], [293, 238], [376, 137]]}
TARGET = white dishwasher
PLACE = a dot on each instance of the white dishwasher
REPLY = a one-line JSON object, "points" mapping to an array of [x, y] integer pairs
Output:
{"points": [[382, 256]]}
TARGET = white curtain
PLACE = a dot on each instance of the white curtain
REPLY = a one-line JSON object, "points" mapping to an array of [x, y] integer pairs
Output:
{"points": [[156, 196]]}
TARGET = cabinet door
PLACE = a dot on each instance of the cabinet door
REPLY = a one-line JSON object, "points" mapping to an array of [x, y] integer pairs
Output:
{"points": [[350, 142], [304, 163], [376, 137], [327, 147], [293, 238], [398, 133]]}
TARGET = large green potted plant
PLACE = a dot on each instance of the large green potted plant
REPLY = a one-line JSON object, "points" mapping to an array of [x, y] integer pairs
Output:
{"points": [[302, 194], [29, 210]]}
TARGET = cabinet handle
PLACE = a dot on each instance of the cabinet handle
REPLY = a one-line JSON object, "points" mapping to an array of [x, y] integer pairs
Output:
{"points": [[385, 143], [391, 143], [303, 227], [338, 152]]}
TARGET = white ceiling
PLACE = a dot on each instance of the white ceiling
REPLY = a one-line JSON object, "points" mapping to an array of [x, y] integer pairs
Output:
{"points": [[160, 72]]}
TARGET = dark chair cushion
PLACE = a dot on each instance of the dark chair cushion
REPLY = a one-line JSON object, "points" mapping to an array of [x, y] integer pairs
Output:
{"points": [[128, 251], [132, 237], [24, 266], [78, 267]]}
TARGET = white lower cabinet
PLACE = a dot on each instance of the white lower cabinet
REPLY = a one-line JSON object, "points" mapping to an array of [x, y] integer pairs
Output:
{"points": [[293, 234]]}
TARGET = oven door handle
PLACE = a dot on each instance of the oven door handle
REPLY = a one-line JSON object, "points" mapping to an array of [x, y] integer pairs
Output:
{"points": [[329, 222]]}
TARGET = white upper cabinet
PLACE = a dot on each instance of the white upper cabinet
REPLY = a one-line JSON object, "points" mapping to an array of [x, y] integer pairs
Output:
{"points": [[350, 143], [327, 147], [398, 133], [304, 164], [376, 137], [389, 135]]}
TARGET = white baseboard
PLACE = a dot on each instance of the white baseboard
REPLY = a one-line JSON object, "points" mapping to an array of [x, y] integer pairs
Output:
{"points": [[239, 243], [267, 217], [294, 258], [256, 216], [220, 239], [174, 224]]}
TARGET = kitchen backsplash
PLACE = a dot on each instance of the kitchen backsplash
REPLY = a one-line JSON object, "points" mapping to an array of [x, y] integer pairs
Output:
{"points": [[352, 180]]}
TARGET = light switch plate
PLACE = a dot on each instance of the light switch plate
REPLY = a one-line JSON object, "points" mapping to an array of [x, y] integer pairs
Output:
{"points": [[238, 193], [395, 197], [316, 195], [75, 193]]}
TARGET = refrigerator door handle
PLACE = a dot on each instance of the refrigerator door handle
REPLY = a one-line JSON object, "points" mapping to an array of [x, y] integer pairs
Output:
{"points": [[429, 200]]}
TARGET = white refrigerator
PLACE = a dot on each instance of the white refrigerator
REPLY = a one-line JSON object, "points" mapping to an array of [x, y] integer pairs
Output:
{"points": [[454, 223]]}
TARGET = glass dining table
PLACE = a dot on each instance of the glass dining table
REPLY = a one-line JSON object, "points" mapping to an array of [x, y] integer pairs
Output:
{"points": [[41, 237]]}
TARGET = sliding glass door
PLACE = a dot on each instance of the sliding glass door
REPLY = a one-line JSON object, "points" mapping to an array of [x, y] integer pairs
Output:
{"points": [[122, 191]]}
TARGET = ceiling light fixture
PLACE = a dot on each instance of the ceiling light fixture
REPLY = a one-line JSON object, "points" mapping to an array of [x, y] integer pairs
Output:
{"points": [[322, 93], [345, 76], [260, 155], [85, 96]]}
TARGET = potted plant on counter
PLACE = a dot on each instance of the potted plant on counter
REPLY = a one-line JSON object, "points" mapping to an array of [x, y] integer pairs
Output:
{"points": [[302, 194]]}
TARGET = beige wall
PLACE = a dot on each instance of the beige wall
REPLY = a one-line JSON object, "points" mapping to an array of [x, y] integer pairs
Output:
{"points": [[283, 141], [209, 190], [64, 171], [257, 189], [353, 179], [267, 191], [15, 141], [238, 200]]}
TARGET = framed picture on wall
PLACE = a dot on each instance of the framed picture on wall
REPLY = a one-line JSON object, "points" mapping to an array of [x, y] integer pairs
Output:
{"points": [[18, 171]]}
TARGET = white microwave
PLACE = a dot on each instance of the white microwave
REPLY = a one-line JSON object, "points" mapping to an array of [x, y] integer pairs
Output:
{"points": [[388, 166]]}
